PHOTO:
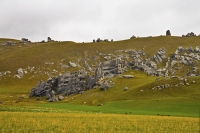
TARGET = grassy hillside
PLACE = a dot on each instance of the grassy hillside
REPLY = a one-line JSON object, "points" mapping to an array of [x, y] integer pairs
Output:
{"points": [[175, 101], [139, 98], [36, 54]]}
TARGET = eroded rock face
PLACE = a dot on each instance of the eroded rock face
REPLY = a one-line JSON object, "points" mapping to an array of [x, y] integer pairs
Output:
{"points": [[159, 56], [66, 84], [80, 81], [41, 89], [72, 83], [113, 67], [105, 85]]}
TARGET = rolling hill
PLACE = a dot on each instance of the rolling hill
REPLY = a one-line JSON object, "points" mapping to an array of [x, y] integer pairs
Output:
{"points": [[40, 61]]}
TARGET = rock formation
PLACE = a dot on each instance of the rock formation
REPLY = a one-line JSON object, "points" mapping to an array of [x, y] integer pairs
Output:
{"points": [[24, 40], [159, 64], [48, 39], [189, 34], [9, 43], [168, 33], [133, 36], [20, 73]]}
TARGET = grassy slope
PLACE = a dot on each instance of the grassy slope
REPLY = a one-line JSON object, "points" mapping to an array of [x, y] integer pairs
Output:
{"points": [[179, 101], [37, 54], [115, 99], [12, 58]]}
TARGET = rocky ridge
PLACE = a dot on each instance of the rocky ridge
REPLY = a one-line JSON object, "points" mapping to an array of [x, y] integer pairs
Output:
{"points": [[100, 75]]}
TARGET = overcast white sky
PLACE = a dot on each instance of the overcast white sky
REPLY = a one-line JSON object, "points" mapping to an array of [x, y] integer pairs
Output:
{"points": [[85, 20]]}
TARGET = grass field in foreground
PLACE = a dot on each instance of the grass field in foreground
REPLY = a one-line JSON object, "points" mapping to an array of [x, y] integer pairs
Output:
{"points": [[136, 107], [99, 123]]}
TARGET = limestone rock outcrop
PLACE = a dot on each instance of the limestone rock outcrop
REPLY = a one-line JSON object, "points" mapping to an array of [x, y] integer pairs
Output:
{"points": [[168, 33]]}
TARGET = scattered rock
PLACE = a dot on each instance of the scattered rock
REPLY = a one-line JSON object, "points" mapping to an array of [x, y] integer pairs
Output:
{"points": [[127, 76], [38, 98], [105, 85], [189, 34], [60, 97], [125, 88], [81, 92], [193, 82], [21, 96], [105, 40], [24, 40], [72, 64], [77, 82], [9, 43], [19, 74], [64, 66], [98, 40], [49, 63]]}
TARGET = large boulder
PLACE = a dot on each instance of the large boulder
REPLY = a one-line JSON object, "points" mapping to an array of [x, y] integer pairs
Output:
{"points": [[72, 64], [65, 84], [60, 97], [197, 49], [127, 76], [38, 98], [133, 36], [113, 67], [20, 73], [105, 85], [98, 40], [24, 40], [125, 88], [48, 39], [168, 33], [9, 43]]}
